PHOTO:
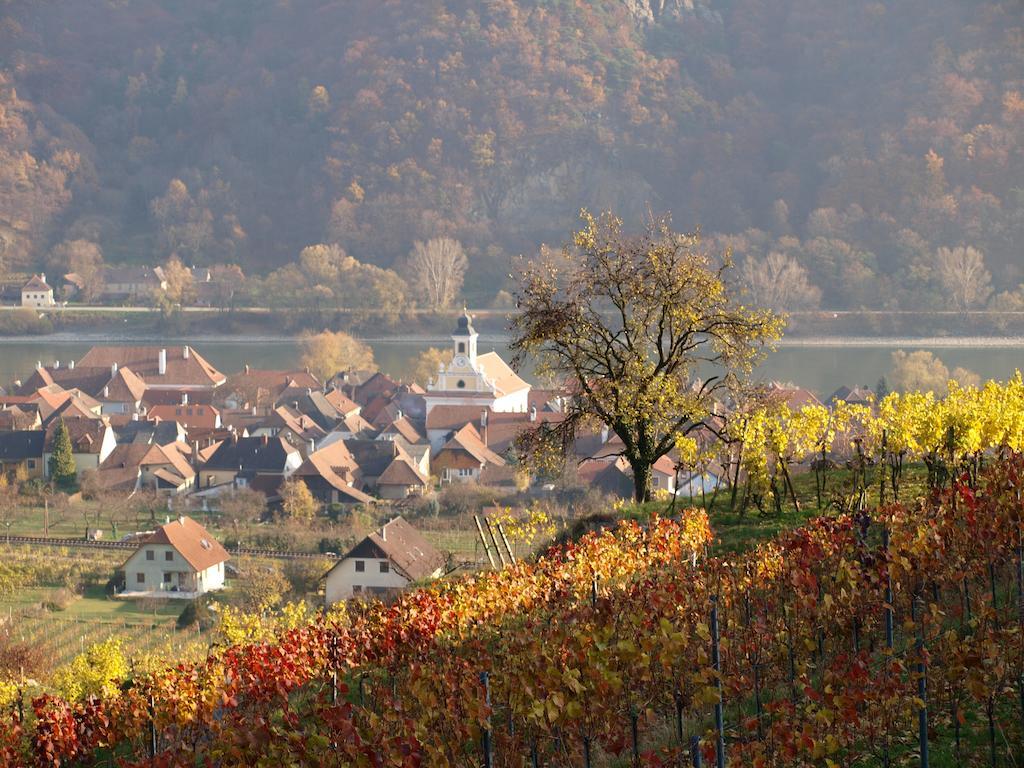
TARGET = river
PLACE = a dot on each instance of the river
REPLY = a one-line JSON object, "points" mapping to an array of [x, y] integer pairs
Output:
{"points": [[821, 365]]}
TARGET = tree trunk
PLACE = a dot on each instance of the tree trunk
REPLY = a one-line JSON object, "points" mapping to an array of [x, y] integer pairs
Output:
{"points": [[641, 481]]}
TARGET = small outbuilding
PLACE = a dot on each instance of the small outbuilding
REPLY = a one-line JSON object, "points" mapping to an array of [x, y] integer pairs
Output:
{"points": [[36, 292]]}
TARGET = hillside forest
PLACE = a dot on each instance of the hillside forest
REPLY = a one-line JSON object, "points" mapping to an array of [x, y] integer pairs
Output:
{"points": [[853, 154]]}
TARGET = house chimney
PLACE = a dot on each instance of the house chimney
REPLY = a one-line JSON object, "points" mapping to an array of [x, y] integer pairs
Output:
{"points": [[247, 368], [162, 362], [254, 410], [71, 364], [56, 365], [184, 398], [181, 519], [17, 383], [185, 352], [309, 391], [39, 365], [266, 440], [398, 414], [384, 532], [312, 446], [113, 370], [106, 392], [604, 434], [533, 413]]}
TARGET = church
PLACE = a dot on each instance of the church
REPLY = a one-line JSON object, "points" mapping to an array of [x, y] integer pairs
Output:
{"points": [[483, 380]]}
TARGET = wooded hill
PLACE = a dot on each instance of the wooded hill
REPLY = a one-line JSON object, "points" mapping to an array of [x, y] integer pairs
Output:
{"points": [[854, 138]]}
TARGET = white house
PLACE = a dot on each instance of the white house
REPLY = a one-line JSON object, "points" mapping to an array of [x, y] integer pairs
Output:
{"points": [[181, 559], [483, 380], [36, 293], [383, 564]]}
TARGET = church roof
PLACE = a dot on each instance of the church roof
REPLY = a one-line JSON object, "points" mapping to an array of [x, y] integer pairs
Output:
{"points": [[498, 371]]}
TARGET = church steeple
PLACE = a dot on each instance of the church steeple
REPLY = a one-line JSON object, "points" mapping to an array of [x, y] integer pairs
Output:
{"points": [[464, 338]]}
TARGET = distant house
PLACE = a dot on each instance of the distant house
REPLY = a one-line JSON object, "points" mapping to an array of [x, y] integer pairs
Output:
{"points": [[202, 416], [856, 395], [383, 564], [332, 476], [402, 478], [663, 475], [463, 458], [241, 461], [165, 468], [36, 293], [259, 387], [181, 559], [92, 441], [126, 282], [23, 448], [162, 368]]}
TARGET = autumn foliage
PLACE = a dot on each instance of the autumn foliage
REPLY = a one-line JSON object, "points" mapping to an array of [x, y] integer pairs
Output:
{"points": [[613, 626]]}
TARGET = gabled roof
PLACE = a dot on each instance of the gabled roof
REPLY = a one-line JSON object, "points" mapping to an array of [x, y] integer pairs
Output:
{"points": [[249, 381], [124, 386], [86, 434], [185, 366], [451, 417], [341, 402], [192, 541], [402, 472], [337, 467], [19, 417], [402, 427], [373, 456], [36, 283], [468, 439], [21, 445], [251, 454], [404, 546]]}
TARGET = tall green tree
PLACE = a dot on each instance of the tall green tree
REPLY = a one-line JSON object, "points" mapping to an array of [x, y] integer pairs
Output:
{"points": [[63, 471], [648, 330]]}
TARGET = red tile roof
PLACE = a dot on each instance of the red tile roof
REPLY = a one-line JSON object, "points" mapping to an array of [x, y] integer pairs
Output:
{"points": [[192, 541], [185, 366]]}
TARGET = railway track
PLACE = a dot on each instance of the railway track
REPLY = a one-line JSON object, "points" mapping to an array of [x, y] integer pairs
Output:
{"points": [[50, 541]]}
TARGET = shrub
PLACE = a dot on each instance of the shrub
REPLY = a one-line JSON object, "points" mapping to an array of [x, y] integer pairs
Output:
{"points": [[197, 612], [24, 322], [59, 599]]}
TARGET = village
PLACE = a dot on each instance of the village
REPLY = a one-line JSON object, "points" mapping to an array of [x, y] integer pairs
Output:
{"points": [[165, 424]]}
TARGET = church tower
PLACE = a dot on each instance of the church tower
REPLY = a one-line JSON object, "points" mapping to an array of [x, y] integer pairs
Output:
{"points": [[464, 343]]}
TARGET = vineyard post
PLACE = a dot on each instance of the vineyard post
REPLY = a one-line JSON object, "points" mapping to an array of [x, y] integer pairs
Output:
{"points": [[534, 754], [593, 592], [362, 689], [922, 690], [1020, 620], [995, 595], [586, 751], [334, 669], [695, 751], [716, 664], [678, 697], [888, 593], [485, 679], [152, 727], [635, 733]]}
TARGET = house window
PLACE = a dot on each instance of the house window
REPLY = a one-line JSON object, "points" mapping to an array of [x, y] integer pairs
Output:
{"points": [[167, 577], [356, 589], [460, 384], [150, 554], [462, 346], [385, 567], [31, 463], [140, 578], [169, 556], [360, 566], [655, 481], [465, 473], [177, 411]]}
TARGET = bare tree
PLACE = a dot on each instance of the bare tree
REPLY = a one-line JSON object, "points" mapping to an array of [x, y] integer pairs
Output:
{"points": [[779, 283], [962, 274], [438, 267]]}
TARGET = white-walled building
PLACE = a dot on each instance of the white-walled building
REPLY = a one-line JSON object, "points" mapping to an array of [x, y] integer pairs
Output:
{"points": [[181, 559], [383, 564], [483, 380], [36, 293]]}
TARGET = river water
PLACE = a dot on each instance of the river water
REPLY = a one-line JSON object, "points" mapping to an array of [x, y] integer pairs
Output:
{"points": [[821, 365]]}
